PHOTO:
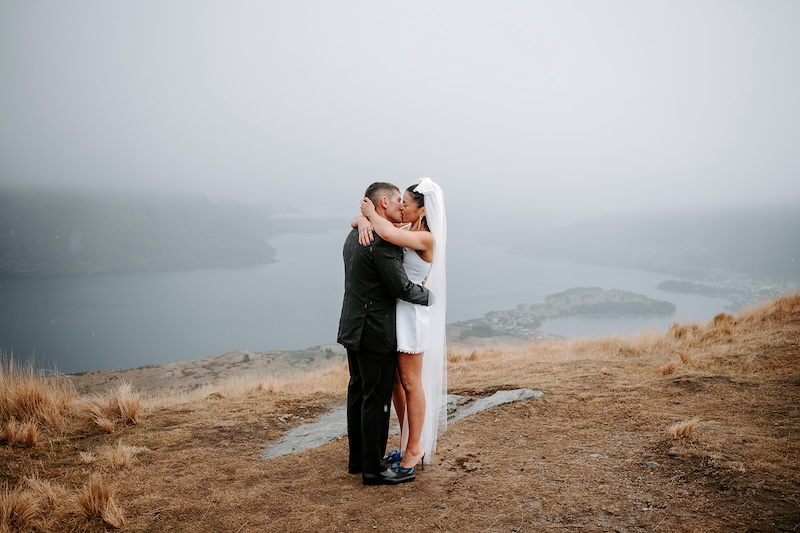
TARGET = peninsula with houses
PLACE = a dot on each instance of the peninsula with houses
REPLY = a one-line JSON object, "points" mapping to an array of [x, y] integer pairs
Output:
{"points": [[525, 320]]}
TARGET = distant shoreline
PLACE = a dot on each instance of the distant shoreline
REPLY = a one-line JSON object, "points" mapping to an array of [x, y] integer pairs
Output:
{"points": [[525, 320], [504, 327]]}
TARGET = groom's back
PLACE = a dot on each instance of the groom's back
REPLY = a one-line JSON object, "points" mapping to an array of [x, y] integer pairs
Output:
{"points": [[368, 308]]}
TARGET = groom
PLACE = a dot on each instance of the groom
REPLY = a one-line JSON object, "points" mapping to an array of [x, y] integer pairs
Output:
{"points": [[373, 280]]}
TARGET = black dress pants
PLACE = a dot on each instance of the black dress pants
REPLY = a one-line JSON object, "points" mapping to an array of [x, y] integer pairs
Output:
{"points": [[369, 398]]}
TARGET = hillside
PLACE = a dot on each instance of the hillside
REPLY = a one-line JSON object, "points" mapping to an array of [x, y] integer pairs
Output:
{"points": [[66, 232], [696, 429]]}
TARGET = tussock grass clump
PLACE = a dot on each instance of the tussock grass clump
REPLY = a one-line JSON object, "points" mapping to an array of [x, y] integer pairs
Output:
{"points": [[455, 357], [57, 506], [31, 403], [679, 331], [87, 458], [50, 495], [723, 320], [118, 406], [669, 368], [97, 502], [684, 430], [120, 455], [458, 356], [105, 423], [25, 434], [18, 509], [42, 505], [30, 400]]}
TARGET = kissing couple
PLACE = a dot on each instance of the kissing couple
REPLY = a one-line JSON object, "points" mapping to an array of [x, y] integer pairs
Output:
{"points": [[393, 327]]}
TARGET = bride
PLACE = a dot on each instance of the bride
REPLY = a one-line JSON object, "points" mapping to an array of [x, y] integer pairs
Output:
{"points": [[420, 391]]}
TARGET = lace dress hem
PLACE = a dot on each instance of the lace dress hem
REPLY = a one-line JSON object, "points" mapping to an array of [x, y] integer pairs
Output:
{"points": [[411, 352]]}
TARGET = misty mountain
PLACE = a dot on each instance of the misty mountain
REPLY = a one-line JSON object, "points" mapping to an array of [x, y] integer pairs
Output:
{"points": [[49, 232], [762, 243]]}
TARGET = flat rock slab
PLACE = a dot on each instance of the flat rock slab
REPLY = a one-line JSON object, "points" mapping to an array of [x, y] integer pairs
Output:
{"points": [[333, 425], [500, 397]]}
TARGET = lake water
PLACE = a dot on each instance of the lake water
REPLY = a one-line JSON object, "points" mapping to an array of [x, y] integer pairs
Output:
{"points": [[82, 323]]}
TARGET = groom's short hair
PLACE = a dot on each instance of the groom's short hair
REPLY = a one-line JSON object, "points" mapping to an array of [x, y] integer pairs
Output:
{"points": [[380, 188]]}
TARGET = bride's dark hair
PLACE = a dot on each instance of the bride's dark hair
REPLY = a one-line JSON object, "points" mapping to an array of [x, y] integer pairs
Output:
{"points": [[419, 199]]}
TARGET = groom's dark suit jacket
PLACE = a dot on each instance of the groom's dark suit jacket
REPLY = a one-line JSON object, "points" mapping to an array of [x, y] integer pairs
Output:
{"points": [[374, 279]]}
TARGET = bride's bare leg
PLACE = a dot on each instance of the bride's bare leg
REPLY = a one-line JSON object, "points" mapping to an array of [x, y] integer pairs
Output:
{"points": [[410, 368], [399, 402]]}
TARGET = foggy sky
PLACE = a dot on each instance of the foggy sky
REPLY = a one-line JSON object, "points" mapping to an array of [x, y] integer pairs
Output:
{"points": [[524, 107]]}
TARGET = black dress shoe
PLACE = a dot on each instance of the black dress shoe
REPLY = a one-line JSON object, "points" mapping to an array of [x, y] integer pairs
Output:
{"points": [[387, 477], [356, 469]]}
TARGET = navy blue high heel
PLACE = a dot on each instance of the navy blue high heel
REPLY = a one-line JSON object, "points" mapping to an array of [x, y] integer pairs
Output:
{"points": [[410, 470], [400, 470], [394, 456]]}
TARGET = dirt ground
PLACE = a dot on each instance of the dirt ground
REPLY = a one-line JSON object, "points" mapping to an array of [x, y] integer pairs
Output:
{"points": [[589, 456], [595, 453]]}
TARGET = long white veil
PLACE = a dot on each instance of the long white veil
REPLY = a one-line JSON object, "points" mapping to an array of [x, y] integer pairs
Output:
{"points": [[434, 362]]}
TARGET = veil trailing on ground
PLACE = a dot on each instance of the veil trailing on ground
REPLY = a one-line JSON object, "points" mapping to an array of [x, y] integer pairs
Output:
{"points": [[434, 362]]}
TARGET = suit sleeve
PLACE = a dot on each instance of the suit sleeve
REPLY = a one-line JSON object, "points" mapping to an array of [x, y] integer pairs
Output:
{"points": [[390, 266]]}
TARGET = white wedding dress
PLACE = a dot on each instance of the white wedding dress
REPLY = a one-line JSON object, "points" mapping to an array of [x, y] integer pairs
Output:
{"points": [[421, 329], [413, 321]]}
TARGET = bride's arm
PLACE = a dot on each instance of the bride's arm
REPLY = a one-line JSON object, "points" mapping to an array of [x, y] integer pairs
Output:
{"points": [[416, 240], [365, 236]]}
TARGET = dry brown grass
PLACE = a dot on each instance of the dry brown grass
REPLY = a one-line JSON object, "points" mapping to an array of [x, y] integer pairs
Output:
{"points": [[669, 368], [98, 503], [684, 429], [591, 455], [21, 433], [87, 458], [31, 403], [326, 379], [120, 455], [19, 509], [48, 494], [120, 406]]}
